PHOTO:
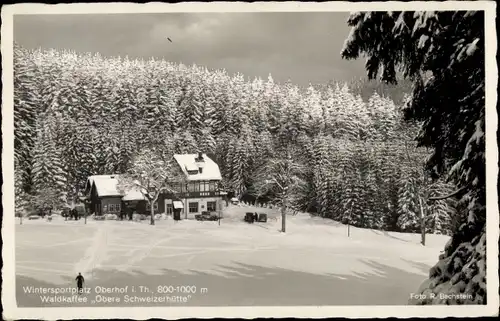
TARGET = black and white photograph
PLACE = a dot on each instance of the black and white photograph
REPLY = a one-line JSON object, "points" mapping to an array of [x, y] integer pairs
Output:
{"points": [[332, 158]]}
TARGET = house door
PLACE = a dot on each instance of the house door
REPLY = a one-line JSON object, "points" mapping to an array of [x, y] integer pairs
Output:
{"points": [[170, 209]]}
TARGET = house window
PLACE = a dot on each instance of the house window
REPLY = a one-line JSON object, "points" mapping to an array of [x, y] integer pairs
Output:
{"points": [[211, 187], [114, 208], [211, 206], [203, 187], [196, 186], [170, 209], [193, 207], [191, 187], [148, 206], [105, 208]]}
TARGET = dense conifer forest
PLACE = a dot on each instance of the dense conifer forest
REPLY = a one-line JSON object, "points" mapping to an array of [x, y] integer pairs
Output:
{"points": [[79, 115]]}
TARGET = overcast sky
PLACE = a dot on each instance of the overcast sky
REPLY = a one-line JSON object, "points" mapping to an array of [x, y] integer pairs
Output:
{"points": [[302, 47]]}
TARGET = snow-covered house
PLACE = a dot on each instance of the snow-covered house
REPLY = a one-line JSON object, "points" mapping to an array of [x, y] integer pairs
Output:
{"points": [[103, 195], [201, 191]]}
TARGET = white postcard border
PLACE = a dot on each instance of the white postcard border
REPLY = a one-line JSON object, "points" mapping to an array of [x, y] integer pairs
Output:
{"points": [[11, 311]]}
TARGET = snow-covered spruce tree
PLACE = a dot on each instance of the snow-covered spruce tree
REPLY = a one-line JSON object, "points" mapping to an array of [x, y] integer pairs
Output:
{"points": [[21, 198], [342, 157], [48, 170], [76, 156], [262, 149], [383, 116], [352, 117], [314, 122], [184, 142], [330, 104], [272, 98], [206, 141], [386, 175], [25, 105], [309, 200], [443, 54], [409, 206], [221, 114], [360, 204], [440, 213], [239, 113], [372, 209], [258, 108], [325, 175], [222, 146], [321, 163], [240, 150], [154, 107]]}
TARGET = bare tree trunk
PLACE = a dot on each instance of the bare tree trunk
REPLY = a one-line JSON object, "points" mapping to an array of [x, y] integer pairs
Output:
{"points": [[283, 217], [422, 220], [349, 220], [285, 191], [152, 213], [421, 203]]}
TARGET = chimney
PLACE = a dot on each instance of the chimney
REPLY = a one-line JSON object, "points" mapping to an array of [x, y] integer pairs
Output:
{"points": [[200, 162]]}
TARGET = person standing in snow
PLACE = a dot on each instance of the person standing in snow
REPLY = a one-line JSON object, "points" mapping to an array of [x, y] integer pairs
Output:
{"points": [[79, 283]]}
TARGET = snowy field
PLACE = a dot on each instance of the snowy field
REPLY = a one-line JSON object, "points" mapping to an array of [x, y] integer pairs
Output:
{"points": [[205, 264]]}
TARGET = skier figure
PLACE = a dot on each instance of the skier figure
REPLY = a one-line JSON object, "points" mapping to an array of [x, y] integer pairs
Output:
{"points": [[79, 282]]}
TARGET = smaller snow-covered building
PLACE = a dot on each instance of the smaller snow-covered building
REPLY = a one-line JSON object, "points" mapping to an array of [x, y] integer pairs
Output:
{"points": [[200, 192]]}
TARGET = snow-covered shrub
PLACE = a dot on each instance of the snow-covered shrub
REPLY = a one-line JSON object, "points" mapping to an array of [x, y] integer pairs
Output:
{"points": [[111, 216]]}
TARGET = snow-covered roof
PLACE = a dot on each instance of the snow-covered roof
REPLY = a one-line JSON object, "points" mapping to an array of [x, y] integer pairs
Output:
{"points": [[133, 195], [178, 204], [106, 185], [187, 162]]}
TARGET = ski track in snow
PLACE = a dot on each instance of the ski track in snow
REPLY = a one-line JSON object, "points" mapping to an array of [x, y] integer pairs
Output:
{"points": [[58, 244], [95, 254], [136, 258]]}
